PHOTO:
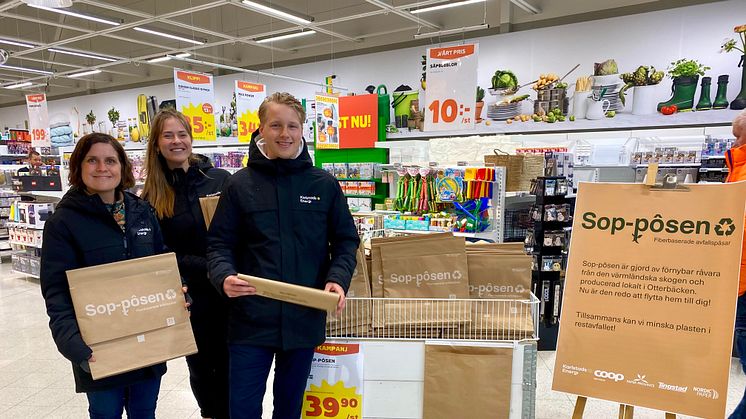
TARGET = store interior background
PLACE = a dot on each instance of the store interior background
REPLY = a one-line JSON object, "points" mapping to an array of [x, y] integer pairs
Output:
{"points": [[654, 38]]}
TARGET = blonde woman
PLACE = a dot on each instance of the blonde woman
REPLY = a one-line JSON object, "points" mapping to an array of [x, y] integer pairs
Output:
{"points": [[176, 179]]}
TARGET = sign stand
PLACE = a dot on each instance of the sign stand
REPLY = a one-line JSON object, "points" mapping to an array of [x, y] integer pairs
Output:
{"points": [[625, 411], [670, 183]]}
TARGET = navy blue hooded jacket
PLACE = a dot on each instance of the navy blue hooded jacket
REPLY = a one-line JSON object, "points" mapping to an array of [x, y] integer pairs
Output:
{"points": [[285, 220]]}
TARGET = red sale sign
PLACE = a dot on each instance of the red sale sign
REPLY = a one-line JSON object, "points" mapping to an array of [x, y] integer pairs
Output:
{"points": [[358, 121], [38, 117]]}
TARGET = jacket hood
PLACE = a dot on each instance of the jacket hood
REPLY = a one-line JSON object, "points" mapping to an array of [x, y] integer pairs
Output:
{"points": [[258, 160], [78, 200]]}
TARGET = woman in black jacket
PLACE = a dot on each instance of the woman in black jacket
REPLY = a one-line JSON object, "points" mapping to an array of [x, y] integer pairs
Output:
{"points": [[97, 222], [176, 179]]}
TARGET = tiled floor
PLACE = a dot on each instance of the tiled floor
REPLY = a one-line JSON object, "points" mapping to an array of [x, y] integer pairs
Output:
{"points": [[36, 382]]}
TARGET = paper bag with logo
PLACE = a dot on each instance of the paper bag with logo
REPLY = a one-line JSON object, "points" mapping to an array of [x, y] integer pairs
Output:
{"points": [[208, 204], [467, 382], [355, 319], [131, 313], [432, 270], [376, 270], [503, 277]]}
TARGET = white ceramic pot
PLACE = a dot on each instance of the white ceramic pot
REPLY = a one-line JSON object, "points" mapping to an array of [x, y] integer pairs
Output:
{"points": [[580, 104], [644, 101], [597, 108]]}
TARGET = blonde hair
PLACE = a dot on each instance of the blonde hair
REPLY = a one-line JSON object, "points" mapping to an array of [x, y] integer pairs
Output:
{"points": [[740, 120], [282, 98], [157, 190]]}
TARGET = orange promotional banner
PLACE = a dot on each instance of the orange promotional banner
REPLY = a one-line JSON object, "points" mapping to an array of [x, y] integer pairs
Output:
{"points": [[650, 296], [358, 121], [249, 96], [195, 98]]}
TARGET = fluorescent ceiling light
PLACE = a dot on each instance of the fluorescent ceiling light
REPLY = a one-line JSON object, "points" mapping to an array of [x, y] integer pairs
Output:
{"points": [[29, 70], [452, 31], [84, 73], [526, 6], [69, 12], [168, 57], [288, 36], [274, 11], [18, 43], [196, 41], [82, 54], [445, 6], [19, 85]]}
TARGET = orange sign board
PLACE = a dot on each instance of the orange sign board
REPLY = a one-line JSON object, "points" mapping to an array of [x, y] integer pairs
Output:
{"points": [[193, 78], [358, 121], [452, 52], [650, 293]]}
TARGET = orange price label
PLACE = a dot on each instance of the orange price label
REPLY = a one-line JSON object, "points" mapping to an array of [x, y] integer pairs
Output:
{"points": [[248, 122], [39, 134], [448, 111]]}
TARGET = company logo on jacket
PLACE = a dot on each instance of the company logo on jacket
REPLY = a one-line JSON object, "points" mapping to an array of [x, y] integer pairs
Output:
{"points": [[309, 199], [144, 231]]}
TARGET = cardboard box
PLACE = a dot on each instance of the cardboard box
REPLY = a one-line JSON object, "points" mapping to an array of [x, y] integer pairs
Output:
{"points": [[131, 313], [291, 293]]}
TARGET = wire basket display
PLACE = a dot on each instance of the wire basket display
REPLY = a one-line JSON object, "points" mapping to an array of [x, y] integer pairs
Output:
{"points": [[428, 319]]}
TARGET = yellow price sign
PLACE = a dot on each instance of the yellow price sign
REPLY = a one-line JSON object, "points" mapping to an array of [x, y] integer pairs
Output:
{"points": [[248, 122], [332, 401], [201, 118]]}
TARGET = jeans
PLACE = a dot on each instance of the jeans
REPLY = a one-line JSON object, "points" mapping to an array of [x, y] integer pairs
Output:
{"points": [[740, 337], [249, 369], [138, 399]]}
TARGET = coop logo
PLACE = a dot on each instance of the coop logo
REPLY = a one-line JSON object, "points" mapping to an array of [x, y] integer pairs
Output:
{"points": [[426, 277], [671, 387], [657, 224], [707, 393], [137, 303], [607, 375], [641, 381]]}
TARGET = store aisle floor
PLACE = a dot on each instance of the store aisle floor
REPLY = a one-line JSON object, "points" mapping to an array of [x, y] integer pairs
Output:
{"points": [[36, 381]]}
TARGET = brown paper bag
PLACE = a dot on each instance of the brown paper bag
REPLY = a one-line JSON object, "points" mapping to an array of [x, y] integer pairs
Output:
{"points": [[504, 277], [208, 204], [355, 320], [467, 382], [131, 313]]}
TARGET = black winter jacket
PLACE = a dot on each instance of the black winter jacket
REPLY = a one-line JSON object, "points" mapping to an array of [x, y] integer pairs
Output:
{"points": [[288, 221], [185, 233], [81, 233]]}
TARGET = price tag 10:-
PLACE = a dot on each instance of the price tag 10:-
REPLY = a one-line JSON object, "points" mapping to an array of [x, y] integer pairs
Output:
{"points": [[449, 111]]}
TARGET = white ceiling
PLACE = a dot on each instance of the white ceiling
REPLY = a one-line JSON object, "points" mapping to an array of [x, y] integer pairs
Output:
{"points": [[229, 30]]}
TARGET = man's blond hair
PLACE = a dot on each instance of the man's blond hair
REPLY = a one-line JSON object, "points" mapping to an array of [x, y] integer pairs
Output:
{"points": [[740, 120], [282, 98]]}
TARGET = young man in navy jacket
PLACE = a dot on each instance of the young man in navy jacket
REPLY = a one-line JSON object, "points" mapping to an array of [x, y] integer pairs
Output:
{"points": [[283, 219]]}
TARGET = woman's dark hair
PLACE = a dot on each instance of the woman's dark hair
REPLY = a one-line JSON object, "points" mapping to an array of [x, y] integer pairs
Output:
{"points": [[81, 150]]}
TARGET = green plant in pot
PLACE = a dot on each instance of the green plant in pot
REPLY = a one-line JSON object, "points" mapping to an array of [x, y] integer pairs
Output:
{"points": [[685, 74], [480, 103], [731, 45], [113, 115], [91, 119], [641, 79]]}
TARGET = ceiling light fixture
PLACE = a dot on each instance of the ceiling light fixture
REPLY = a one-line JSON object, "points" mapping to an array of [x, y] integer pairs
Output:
{"points": [[451, 31], [446, 6], [196, 41], [69, 12], [28, 70], [287, 36], [19, 85], [84, 73], [17, 43], [278, 12], [82, 54], [526, 6], [167, 57], [254, 72]]}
